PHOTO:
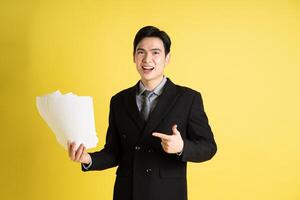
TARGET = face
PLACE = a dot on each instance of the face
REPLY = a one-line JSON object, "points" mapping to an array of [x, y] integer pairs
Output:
{"points": [[150, 59]]}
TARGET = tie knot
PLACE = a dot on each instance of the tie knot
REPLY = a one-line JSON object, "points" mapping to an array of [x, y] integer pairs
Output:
{"points": [[147, 93]]}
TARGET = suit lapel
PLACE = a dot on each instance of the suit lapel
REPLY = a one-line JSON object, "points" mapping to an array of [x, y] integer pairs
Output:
{"points": [[165, 102], [132, 109]]}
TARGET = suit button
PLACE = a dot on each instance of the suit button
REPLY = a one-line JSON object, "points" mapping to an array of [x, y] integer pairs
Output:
{"points": [[137, 148], [148, 170], [150, 150]]}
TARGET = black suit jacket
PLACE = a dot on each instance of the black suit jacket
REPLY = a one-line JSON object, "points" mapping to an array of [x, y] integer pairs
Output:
{"points": [[145, 171]]}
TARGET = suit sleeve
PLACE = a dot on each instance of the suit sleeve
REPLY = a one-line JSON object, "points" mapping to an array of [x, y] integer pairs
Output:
{"points": [[109, 156], [199, 144]]}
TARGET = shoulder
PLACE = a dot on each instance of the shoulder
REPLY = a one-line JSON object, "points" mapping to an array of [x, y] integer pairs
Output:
{"points": [[121, 95], [189, 96], [186, 91]]}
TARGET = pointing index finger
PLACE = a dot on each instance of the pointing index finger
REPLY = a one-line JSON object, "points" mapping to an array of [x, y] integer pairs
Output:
{"points": [[161, 136]]}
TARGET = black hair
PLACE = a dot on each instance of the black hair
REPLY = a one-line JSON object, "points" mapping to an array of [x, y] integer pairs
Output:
{"points": [[151, 31]]}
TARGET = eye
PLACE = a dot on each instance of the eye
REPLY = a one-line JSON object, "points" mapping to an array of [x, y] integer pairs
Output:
{"points": [[156, 52], [140, 52]]}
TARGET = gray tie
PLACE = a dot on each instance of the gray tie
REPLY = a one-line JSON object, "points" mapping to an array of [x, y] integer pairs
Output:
{"points": [[145, 110]]}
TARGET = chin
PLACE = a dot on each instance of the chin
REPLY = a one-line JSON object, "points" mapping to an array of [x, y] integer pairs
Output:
{"points": [[146, 78]]}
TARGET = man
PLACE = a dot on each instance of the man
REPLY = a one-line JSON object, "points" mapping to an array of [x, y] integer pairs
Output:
{"points": [[155, 127]]}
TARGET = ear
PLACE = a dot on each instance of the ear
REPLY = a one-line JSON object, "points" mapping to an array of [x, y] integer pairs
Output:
{"points": [[168, 58]]}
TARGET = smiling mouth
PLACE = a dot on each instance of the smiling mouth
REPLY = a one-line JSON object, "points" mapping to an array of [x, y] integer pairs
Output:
{"points": [[147, 68]]}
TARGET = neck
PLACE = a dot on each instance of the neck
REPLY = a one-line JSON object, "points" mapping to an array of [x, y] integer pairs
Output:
{"points": [[152, 84]]}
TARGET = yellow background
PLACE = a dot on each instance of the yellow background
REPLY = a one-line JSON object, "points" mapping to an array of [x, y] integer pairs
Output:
{"points": [[242, 55]]}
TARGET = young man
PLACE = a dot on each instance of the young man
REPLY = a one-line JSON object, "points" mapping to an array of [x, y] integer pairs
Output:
{"points": [[155, 128]]}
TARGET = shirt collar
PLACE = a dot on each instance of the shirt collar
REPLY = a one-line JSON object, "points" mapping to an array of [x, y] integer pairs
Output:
{"points": [[157, 90]]}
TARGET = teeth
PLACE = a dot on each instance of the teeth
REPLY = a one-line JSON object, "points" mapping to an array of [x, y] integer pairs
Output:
{"points": [[148, 67]]}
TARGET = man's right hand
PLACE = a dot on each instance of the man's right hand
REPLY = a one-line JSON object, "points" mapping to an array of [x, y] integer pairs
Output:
{"points": [[79, 155]]}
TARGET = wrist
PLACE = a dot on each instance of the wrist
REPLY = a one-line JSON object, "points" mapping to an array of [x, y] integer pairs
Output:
{"points": [[88, 159], [181, 151]]}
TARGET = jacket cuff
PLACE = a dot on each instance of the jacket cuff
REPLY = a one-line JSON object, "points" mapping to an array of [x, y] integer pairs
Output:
{"points": [[86, 167]]}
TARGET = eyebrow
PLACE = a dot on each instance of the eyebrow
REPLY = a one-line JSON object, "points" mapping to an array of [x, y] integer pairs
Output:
{"points": [[155, 49]]}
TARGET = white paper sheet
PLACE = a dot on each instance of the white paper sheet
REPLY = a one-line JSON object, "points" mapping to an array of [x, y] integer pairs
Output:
{"points": [[70, 117]]}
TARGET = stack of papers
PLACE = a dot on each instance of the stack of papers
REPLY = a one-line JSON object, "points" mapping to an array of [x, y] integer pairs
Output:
{"points": [[70, 117]]}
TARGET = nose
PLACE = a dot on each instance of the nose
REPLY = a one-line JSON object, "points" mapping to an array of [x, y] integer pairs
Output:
{"points": [[147, 58]]}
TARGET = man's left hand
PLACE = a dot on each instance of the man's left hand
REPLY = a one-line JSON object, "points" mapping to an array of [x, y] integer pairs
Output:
{"points": [[171, 143]]}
